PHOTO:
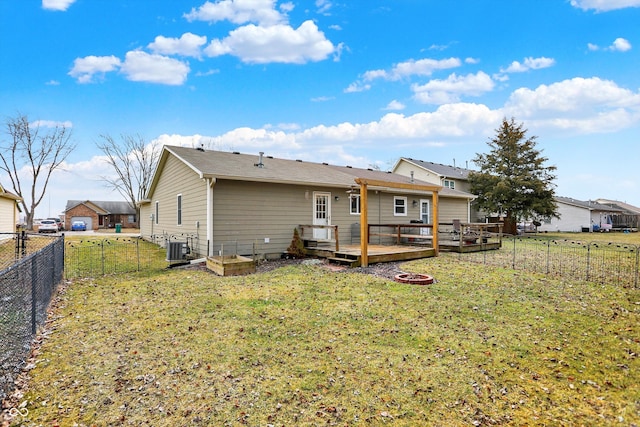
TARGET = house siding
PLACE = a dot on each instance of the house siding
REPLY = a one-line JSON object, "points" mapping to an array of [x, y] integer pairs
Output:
{"points": [[8, 215], [572, 219], [177, 178]]}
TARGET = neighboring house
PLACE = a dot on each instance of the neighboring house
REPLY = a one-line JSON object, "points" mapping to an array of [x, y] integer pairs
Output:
{"points": [[578, 216], [100, 214], [231, 202], [452, 177], [627, 218], [9, 211]]}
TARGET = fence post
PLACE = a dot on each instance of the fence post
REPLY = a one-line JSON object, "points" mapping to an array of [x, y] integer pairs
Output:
{"points": [[102, 255], [588, 260], [637, 267], [34, 291], [548, 255], [138, 252], [513, 261]]}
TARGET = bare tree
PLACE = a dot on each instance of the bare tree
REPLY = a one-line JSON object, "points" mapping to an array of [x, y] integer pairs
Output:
{"points": [[133, 161], [35, 153]]}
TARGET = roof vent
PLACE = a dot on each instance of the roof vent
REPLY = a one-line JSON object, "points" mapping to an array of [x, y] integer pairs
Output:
{"points": [[349, 166], [260, 164], [298, 160], [325, 163], [236, 152]]}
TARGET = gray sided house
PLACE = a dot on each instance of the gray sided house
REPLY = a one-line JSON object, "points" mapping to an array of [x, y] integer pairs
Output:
{"points": [[243, 204], [452, 177], [580, 216]]}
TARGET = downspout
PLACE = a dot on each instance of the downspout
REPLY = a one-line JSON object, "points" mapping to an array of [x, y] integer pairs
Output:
{"points": [[211, 182]]}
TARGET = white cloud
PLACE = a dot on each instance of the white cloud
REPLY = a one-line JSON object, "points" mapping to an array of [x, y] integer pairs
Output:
{"points": [[140, 66], [188, 44], [323, 98], [84, 69], [529, 64], [239, 12], [421, 67], [52, 124], [357, 87], [60, 5], [276, 43], [620, 45], [604, 5], [579, 104], [395, 105], [453, 88], [472, 61], [323, 6]]}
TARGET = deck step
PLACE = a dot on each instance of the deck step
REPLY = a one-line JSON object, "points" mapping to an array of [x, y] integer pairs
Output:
{"points": [[345, 261]]}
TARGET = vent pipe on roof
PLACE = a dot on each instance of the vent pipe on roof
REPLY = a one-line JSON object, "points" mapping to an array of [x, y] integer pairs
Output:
{"points": [[411, 176], [260, 164]]}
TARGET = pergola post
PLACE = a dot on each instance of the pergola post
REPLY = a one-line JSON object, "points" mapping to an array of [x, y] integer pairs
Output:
{"points": [[364, 210], [364, 226]]}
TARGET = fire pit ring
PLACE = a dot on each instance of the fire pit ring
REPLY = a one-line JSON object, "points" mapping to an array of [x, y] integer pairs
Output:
{"points": [[414, 278]]}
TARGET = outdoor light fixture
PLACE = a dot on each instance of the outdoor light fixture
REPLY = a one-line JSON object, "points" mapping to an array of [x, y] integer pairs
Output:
{"points": [[336, 198], [415, 203]]}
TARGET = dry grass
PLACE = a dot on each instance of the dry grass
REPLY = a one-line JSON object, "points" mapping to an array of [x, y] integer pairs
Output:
{"points": [[303, 345]]}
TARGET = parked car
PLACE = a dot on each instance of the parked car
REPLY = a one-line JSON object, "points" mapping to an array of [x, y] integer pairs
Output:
{"points": [[78, 226], [59, 222], [48, 226]]}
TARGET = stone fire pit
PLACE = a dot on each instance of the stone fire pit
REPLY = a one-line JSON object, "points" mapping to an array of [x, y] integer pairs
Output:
{"points": [[414, 278]]}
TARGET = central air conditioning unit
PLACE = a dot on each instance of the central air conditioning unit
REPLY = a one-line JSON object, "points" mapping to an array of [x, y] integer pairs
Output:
{"points": [[177, 251]]}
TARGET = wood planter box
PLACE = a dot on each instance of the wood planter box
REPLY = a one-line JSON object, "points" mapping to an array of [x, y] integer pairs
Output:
{"points": [[231, 265]]}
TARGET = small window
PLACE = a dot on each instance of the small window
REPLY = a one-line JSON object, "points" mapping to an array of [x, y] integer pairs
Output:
{"points": [[179, 208], [450, 184], [354, 203], [131, 219], [157, 210], [399, 206]]}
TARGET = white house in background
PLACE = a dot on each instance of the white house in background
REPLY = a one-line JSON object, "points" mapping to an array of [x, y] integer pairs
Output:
{"points": [[452, 177], [9, 211], [578, 216]]}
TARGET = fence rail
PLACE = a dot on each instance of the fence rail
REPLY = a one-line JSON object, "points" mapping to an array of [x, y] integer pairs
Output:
{"points": [[607, 263], [31, 267]]}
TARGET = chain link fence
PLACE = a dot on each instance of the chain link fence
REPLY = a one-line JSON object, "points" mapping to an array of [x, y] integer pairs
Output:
{"points": [[93, 257], [31, 267], [606, 263]]}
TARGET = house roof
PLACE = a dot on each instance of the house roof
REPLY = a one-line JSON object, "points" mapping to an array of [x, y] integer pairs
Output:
{"points": [[445, 171], [244, 167], [103, 207], [589, 204], [622, 205], [8, 195]]}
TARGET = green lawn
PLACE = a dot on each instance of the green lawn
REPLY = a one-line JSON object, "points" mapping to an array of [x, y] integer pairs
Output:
{"points": [[303, 345]]}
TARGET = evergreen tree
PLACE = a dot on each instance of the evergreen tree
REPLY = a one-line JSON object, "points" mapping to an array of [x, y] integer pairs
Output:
{"points": [[513, 180]]}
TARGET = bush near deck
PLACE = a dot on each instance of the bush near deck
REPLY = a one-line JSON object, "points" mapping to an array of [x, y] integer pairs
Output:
{"points": [[305, 345]]}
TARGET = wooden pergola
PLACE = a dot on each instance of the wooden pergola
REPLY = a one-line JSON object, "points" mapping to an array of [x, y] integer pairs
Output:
{"points": [[364, 210]]}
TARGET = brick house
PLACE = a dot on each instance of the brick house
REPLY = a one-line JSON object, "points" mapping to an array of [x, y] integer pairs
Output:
{"points": [[100, 214]]}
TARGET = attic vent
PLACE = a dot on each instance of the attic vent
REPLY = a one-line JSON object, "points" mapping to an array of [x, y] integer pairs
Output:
{"points": [[326, 164], [349, 166], [260, 164], [369, 169], [298, 160], [236, 152], [412, 176], [269, 157]]}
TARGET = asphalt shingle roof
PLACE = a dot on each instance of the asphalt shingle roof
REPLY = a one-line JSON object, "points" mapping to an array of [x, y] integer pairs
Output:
{"points": [[236, 166]]}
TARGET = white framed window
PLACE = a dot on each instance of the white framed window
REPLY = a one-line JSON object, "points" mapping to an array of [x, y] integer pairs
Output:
{"points": [[449, 184], [354, 204], [399, 206], [131, 219], [157, 210], [179, 208]]}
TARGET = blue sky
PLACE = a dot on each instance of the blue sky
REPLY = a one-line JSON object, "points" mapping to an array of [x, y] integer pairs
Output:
{"points": [[350, 83]]}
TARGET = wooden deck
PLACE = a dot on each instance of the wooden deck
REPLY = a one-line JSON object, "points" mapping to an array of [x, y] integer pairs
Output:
{"points": [[351, 254], [464, 247]]}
